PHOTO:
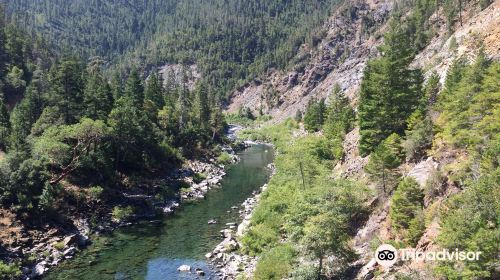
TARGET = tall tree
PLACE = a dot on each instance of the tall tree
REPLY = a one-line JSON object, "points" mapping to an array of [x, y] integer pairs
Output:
{"points": [[67, 89], [390, 90], [202, 106], [97, 95], [154, 90], [134, 90]]}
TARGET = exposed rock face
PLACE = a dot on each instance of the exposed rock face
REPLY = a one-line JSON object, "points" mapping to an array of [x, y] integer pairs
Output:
{"points": [[176, 72], [423, 170], [340, 58]]}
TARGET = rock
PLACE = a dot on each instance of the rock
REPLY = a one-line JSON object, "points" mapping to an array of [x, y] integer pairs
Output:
{"points": [[39, 269], [200, 272], [70, 240], [208, 255], [231, 224], [212, 222], [70, 251], [184, 268]]}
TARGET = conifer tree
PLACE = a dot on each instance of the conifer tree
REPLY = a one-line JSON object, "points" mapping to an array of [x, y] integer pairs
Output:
{"points": [[97, 95], [134, 89], [4, 125], [390, 91], [202, 106], [154, 90]]}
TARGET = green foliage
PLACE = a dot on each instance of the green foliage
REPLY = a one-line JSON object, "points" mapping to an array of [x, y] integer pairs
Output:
{"points": [[390, 90], [9, 271], [121, 214], [301, 199], [275, 264], [471, 224], [406, 207], [315, 115], [95, 192], [233, 42], [384, 161]]}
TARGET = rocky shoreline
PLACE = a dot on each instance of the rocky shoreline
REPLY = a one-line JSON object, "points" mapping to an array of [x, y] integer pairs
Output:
{"points": [[226, 257], [52, 247]]}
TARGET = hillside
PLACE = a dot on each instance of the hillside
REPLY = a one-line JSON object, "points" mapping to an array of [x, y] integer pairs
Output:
{"points": [[230, 41], [353, 34], [437, 151]]}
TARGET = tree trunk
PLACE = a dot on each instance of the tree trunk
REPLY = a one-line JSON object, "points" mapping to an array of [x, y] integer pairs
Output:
{"points": [[320, 269]]}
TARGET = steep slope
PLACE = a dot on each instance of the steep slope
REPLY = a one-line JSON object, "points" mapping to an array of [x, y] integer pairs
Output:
{"points": [[353, 33], [340, 58]]}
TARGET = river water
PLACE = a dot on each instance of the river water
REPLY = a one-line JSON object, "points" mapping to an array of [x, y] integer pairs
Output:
{"points": [[154, 251]]}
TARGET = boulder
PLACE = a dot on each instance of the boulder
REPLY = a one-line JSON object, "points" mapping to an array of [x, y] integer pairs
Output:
{"points": [[70, 240], [39, 269], [184, 268], [200, 272]]}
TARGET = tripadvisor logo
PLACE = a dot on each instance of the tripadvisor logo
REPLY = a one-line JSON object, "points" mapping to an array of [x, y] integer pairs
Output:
{"points": [[386, 255]]}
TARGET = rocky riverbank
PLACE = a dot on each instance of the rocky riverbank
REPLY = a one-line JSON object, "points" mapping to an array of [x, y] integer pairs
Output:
{"points": [[226, 257], [40, 250]]}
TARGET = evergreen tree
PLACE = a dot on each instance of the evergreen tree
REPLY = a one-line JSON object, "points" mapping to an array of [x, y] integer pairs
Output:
{"points": [[407, 201], [134, 89], [314, 116], [202, 106], [4, 125], [390, 91], [97, 96], [154, 90], [384, 161], [67, 89], [340, 117]]}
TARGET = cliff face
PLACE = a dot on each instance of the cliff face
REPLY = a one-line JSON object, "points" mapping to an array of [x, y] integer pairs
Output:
{"points": [[339, 58]]}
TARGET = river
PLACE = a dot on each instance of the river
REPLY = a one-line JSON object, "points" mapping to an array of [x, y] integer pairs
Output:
{"points": [[154, 251]]}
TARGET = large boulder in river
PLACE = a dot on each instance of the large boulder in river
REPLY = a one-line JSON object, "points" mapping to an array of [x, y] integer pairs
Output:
{"points": [[184, 268]]}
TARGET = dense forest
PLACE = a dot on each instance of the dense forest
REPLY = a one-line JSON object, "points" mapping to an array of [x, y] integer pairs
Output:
{"points": [[65, 120], [231, 41]]}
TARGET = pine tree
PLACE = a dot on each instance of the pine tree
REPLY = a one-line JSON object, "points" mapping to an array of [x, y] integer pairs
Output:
{"points": [[67, 89], [340, 117], [384, 161], [154, 90], [3, 53], [4, 125], [315, 115], [390, 91], [134, 89], [97, 96], [202, 106]]}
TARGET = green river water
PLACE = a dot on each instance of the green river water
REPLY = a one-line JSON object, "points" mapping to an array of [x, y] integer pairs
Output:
{"points": [[155, 251]]}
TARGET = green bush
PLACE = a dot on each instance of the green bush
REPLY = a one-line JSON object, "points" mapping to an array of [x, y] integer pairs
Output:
{"points": [[9, 271], [275, 264], [406, 207], [121, 214], [95, 192], [224, 158], [198, 177]]}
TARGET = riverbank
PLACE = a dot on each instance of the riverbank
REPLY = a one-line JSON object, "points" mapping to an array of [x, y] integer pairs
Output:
{"points": [[226, 257], [38, 250]]}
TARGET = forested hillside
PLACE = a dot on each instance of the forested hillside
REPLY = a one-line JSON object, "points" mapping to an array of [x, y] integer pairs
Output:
{"points": [[231, 41]]}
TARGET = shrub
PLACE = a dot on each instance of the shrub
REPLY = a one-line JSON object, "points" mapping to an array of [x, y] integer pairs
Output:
{"points": [[121, 214], [9, 271], [199, 177], [406, 209], [95, 192], [224, 158], [275, 264]]}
